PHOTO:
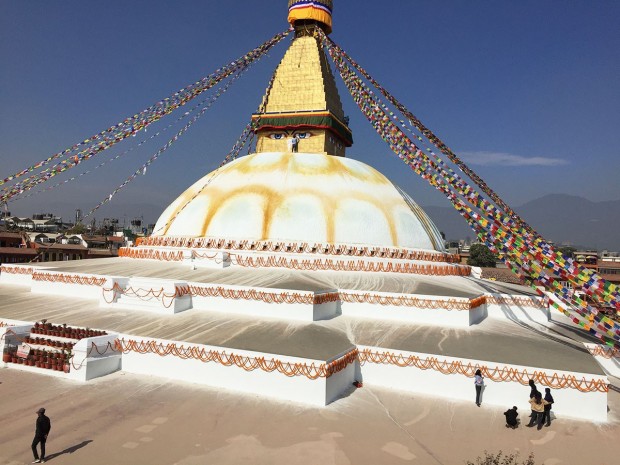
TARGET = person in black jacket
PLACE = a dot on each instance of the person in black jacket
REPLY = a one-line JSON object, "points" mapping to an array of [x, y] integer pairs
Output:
{"points": [[533, 392], [547, 414], [511, 418], [41, 431]]}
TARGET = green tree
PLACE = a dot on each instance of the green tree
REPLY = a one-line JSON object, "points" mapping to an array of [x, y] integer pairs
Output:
{"points": [[480, 255], [79, 228], [568, 252]]}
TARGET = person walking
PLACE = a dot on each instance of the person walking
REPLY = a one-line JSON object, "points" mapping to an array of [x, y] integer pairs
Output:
{"points": [[42, 429], [538, 408], [547, 413], [478, 382]]}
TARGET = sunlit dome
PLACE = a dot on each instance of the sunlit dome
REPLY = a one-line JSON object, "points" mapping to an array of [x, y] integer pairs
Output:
{"points": [[300, 197]]}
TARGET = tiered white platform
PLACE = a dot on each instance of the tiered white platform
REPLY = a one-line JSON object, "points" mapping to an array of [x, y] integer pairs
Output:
{"points": [[175, 321]]}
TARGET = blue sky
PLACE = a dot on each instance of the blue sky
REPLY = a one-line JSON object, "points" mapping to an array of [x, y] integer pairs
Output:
{"points": [[528, 92]]}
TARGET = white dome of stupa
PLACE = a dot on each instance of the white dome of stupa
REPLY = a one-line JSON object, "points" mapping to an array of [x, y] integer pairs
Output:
{"points": [[300, 197]]}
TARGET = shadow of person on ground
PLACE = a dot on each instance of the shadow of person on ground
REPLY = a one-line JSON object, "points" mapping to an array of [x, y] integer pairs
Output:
{"points": [[68, 450]]}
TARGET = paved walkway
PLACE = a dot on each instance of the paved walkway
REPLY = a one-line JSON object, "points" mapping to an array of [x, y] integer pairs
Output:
{"points": [[128, 419]]}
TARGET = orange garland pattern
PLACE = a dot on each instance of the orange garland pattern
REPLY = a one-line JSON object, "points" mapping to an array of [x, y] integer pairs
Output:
{"points": [[331, 265], [496, 374], [149, 254], [310, 371], [303, 247], [417, 302], [68, 279], [235, 294], [310, 265], [15, 269], [521, 301], [606, 352], [297, 298], [142, 294], [252, 294]]}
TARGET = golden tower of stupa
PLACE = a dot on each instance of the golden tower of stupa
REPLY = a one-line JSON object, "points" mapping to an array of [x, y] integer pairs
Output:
{"points": [[304, 100]]}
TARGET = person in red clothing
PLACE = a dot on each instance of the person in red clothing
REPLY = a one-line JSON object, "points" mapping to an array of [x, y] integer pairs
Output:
{"points": [[42, 430]]}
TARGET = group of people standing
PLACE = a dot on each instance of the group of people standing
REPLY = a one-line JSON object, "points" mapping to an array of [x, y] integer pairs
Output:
{"points": [[541, 406]]}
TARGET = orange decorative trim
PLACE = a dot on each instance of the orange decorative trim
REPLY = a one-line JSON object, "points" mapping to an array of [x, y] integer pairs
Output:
{"points": [[15, 269], [604, 351], [496, 374], [410, 301], [297, 247], [142, 294], [290, 369], [221, 292], [109, 347], [149, 254], [513, 300], [309, 265], [68, 279], [326, 297], [340, 265]]}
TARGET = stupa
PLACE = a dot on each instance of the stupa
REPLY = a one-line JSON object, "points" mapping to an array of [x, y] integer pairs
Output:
{"points": [[298, 273]]}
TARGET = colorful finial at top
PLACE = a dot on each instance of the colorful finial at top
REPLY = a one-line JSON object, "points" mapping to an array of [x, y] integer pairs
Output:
{"points": [[300, 11]]}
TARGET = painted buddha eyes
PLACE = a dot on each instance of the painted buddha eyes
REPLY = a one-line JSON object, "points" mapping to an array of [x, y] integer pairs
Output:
{"points": [[284, 135]]}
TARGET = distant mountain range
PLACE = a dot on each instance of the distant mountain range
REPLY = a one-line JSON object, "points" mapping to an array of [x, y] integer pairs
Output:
{"points": [[561, 218]]}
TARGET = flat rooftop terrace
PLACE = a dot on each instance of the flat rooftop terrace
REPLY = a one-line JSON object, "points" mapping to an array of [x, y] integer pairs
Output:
{"points": [[275, 278], [502, 341]]}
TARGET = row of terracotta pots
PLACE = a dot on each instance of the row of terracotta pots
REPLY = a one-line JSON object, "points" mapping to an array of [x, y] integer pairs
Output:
{"points": [[48, 342], [71, 333], [57, 363]]}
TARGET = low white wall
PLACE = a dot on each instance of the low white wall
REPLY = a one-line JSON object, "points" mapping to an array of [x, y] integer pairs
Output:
{"points": [[427, 316], [155, 295], [513, 311], [88, 291], [568, 401], [341, 382], [611, 364], [21, 279], [273, 384], [94, 357], [12, 335], [299, 311], [326, 310]]}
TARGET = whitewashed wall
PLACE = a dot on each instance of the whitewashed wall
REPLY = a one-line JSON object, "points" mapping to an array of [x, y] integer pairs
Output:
{"points": [[271, 384], [568, 402]]}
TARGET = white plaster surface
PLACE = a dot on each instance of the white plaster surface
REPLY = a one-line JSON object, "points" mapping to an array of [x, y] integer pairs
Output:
{"points": [[271, 384], [568, 402], [437, 316]]}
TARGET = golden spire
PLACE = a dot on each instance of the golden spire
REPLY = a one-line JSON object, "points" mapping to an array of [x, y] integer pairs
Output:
{"points": [[304, 103]]}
